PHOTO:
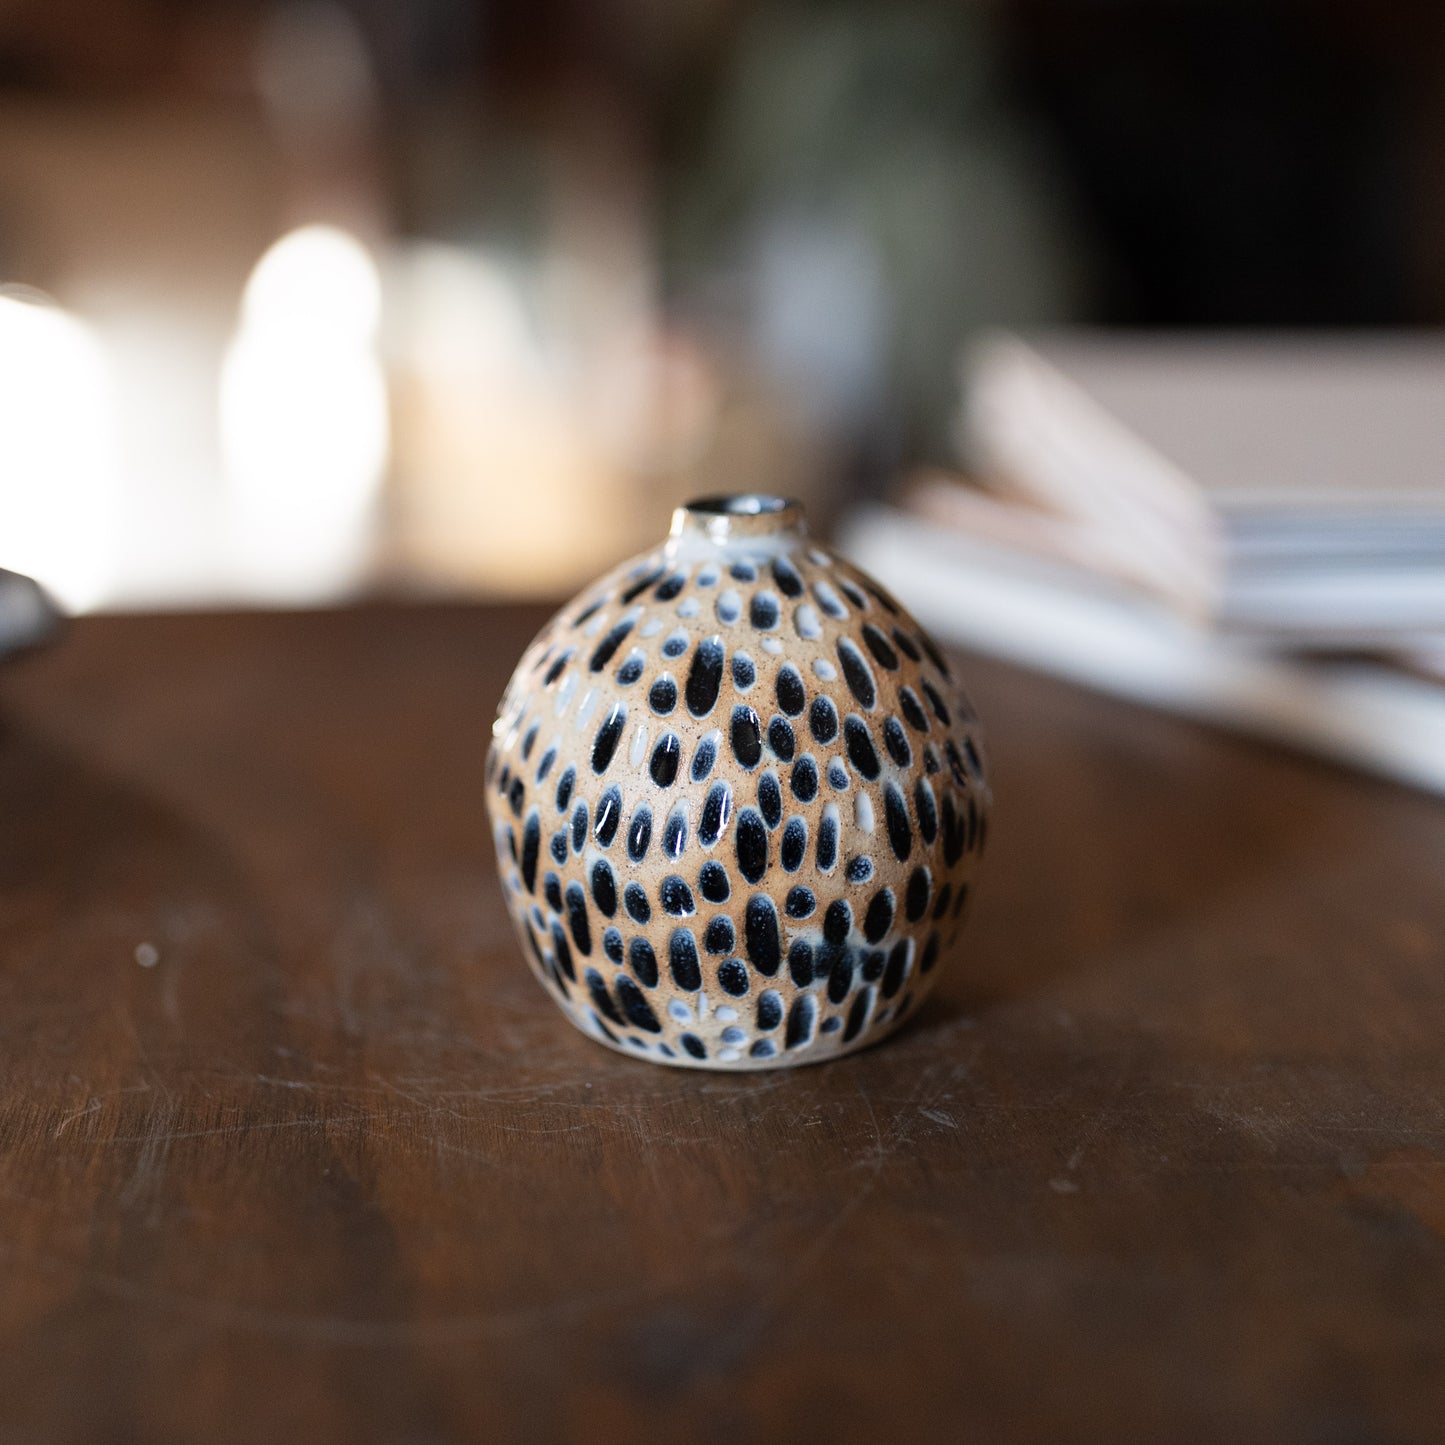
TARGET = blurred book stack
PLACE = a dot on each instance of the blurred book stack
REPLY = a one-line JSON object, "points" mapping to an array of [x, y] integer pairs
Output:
{"points": [[1246, 531]]}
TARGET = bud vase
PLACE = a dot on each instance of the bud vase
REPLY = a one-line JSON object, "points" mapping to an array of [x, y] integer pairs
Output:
{"points": [[738, 799]]}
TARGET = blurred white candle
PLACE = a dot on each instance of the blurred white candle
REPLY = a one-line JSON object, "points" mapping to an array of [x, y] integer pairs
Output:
{"points": [[58, 452], [304, 421]]}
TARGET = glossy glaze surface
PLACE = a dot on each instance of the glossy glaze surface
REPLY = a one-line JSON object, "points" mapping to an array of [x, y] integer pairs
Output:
{"points": [[738, 798]]}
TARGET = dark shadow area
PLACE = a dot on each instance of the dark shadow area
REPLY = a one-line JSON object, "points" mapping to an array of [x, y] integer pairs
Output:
{"points": [[119, 914], [1106, 842]]}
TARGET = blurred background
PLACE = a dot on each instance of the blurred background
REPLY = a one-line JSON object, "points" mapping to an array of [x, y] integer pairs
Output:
{"points": [[313, 298]]}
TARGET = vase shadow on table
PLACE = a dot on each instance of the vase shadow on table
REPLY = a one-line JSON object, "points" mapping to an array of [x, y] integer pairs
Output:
{"points": [[1102, 864]]}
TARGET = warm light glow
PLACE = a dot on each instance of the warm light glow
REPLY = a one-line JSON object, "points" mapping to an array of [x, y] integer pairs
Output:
{"points": [[304, 424], [58, 452], [502, 483], [317, 278]]}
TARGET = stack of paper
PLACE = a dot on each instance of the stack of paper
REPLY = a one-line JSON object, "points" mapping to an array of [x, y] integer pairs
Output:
{"points": [[1252, 532]]}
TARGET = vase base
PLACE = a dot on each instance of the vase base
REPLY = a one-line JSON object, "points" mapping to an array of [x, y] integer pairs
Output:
{"points": [[719, 1058]]}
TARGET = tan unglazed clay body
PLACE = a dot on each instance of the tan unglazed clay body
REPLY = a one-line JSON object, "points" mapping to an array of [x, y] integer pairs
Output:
{"points": [[738, 799]]}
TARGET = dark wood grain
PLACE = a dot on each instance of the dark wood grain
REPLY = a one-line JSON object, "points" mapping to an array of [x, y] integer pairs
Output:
{"points": [[1165, 1160]]}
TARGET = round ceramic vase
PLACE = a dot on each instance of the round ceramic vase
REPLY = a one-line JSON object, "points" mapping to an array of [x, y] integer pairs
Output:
{"points": [[738, 798]]}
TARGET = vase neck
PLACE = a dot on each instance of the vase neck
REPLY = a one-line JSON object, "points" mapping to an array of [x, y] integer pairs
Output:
{"points": [[750, 519]]}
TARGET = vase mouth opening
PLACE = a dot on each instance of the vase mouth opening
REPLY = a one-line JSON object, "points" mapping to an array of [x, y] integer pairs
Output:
{"points": [[751, 515], [743, 504]]}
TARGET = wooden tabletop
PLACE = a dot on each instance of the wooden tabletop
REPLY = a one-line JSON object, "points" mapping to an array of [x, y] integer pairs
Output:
{"points": [[292, 1147]]}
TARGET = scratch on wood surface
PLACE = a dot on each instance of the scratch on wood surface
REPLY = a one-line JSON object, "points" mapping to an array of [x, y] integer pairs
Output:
{"points": [[91, 1108], [95, 1104], [163, 1136]]}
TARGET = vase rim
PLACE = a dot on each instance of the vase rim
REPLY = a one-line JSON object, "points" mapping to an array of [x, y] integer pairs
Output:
{"points": [[737, 516]]}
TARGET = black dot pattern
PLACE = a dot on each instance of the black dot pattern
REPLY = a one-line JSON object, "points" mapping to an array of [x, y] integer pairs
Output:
{"points": [[577, 917], [900, 830], [720, 936], [665, 758], [858, 673], [920, 891], [639, 583], [737, 805], [770, 799], [858, 741], [601, 998], [790, 584], [676, 897], [747, 737], [604, 888], [794, 846], [639, 833], [565, 784], [792, 695], [602, 654], [823, 719], [674, 834], [635, 1005], [781, 739], [896, 741], [828, 842], [764, 943], [705, 677], [634, 899], [879, 918], [683, 961], [912, 709], [715, 814], [802, 1018], [800, 962], [662, 695], [804, 780], [800, 903], [878, 645], [770, 1009], [732, 977], [607, 736], [704, 758], [643, 962], [752, 845], [531, 841]]}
